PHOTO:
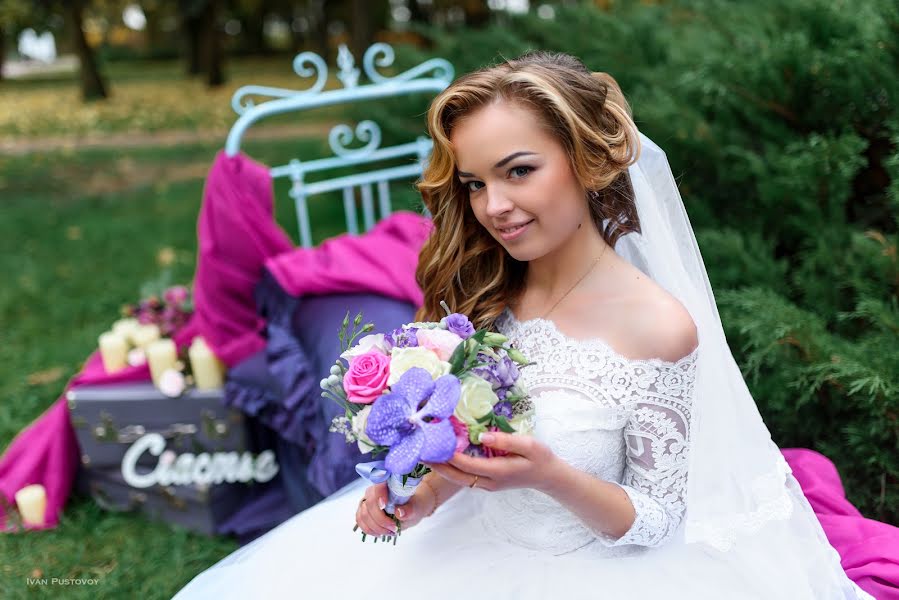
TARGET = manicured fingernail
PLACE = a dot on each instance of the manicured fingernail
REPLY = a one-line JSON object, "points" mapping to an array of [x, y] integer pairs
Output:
{"points": [[381, 503], [486, 438], [400, 513]]}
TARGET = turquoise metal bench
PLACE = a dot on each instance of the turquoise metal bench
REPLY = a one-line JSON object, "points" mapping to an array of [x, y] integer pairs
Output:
{"points": [[431, 76]]}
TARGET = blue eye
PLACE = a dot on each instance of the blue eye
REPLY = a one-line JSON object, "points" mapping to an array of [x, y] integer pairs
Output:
{"points": [[521, 171]]}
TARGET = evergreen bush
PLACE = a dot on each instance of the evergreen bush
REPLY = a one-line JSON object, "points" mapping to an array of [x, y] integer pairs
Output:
{"points": [[781, 123]]}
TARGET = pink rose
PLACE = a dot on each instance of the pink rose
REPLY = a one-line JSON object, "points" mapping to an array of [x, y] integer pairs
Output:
{"points": [[440, 341], [366, 377], [461, 431]]}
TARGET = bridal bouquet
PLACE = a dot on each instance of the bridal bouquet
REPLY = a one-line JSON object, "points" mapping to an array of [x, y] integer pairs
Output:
{"points": [[422, 392]]}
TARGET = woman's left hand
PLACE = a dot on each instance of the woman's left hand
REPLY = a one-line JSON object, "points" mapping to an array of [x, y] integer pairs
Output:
{"points": [[529, 464]]}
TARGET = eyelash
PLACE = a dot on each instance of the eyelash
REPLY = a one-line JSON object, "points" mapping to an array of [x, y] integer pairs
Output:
{"points": [[468, 183]]}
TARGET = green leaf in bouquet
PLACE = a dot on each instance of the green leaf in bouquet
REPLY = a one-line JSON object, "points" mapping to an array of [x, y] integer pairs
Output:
{"points": [[457, 359], [472, 353], [501, 422], [486, 418]]}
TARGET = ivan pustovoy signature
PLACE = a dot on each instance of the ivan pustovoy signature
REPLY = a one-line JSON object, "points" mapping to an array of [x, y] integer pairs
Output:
{"points": [[60, 581]]}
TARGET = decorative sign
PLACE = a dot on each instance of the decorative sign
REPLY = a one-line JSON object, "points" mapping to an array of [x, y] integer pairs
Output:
{"points": [[189, 468]]}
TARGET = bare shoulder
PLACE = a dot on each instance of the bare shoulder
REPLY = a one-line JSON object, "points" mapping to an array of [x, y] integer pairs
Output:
{"points": [[665, 330], [653, 324]]}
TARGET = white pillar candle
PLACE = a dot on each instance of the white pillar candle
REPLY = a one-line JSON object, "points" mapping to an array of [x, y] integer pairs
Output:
{"points": [[161, 354], [143, 335], [208, 370], [32, 503], [114, 351], [126, 328]]}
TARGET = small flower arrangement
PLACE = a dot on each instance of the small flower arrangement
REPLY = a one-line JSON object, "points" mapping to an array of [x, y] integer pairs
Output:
{"points": [[421, 393], [161, 312], [168, 309]]}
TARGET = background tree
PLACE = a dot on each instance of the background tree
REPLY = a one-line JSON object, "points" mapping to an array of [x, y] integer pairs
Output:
{"points": [[14, 16], [201, 27], [93, 87]]}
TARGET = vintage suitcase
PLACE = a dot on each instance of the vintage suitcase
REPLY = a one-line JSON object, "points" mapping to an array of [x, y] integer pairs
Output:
{"points": [[187, 460]]}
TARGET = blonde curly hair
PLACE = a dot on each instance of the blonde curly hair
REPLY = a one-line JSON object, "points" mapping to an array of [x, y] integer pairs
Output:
{"points": [[584, 111]]}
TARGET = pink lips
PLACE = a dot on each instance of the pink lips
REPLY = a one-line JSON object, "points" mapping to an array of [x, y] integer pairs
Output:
{"points": [[509, 236]]}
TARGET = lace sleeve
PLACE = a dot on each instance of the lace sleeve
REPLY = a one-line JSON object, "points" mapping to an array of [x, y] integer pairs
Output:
{"points": [[657, 436]]}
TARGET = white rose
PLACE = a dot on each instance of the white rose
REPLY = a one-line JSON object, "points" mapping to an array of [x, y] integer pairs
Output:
{"points": [[366, 344], [360, 420], [523, 424], [403, 359], [476, 399]]}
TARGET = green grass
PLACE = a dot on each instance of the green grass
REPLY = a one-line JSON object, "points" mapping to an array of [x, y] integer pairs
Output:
{"points": [[79, 233], [144, 97]]}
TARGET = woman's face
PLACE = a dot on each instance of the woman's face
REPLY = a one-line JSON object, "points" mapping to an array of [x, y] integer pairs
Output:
{"points": [[517, 174]]}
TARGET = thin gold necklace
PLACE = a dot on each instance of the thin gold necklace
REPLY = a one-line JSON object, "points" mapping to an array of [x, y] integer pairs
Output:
{"points": [[592, 266]]}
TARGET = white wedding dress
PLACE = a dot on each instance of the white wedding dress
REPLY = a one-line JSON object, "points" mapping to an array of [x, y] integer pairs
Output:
{"points": [[622, 420]]}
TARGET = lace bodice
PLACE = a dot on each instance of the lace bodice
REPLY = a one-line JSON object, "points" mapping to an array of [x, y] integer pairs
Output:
{"points": [[622, 420]]}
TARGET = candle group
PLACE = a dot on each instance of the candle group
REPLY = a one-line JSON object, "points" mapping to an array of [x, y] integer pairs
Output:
{"points": [[32, 503], [126, 328], [113, 351], [207, 369], [115, 344], [161, 355], [143, 335]]}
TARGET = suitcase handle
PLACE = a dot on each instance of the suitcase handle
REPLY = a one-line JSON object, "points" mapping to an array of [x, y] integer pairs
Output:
{"points": [[131, 433], [135, 499]]}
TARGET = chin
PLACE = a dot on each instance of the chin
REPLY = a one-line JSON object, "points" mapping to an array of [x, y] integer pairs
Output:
{"points": [[524, 254]]}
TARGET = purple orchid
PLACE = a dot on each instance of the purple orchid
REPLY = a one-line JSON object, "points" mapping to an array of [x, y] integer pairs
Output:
{"points": [[397, 419], [460, 325], [501, 373], [402, 338], [503, 409]]}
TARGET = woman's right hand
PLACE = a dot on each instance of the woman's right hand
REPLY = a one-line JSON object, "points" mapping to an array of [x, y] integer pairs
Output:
{"points": [[372, 519]]}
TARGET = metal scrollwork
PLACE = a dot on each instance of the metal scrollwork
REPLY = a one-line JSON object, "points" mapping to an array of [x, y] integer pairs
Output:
{"points": [[366, 131], [348, 74], [305, 64], [382, 55]]}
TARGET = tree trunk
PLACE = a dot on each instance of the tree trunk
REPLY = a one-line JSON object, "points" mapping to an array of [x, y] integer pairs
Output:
{"points": [[92, 86], [418, 13], [2, 51], [361, 34], [214, 53], [297, 38], [323, 10], [477, 13], [192, 26], [253, 31]]}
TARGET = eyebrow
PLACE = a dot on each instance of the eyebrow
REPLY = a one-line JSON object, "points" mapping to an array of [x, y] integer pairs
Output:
{"points": [[500, 163]]}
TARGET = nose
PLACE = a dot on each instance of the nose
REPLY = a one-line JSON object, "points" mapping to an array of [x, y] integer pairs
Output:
{"points": [[497, 202]]}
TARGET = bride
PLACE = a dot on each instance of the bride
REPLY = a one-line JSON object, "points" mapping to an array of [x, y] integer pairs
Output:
{"points": [[650, 473]]}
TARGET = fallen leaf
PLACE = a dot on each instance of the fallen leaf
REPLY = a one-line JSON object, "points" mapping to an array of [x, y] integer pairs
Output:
{"points": [[47, 376]]}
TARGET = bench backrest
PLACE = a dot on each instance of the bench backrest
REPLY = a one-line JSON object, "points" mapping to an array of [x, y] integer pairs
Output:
{"points": [[431, 76]]}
